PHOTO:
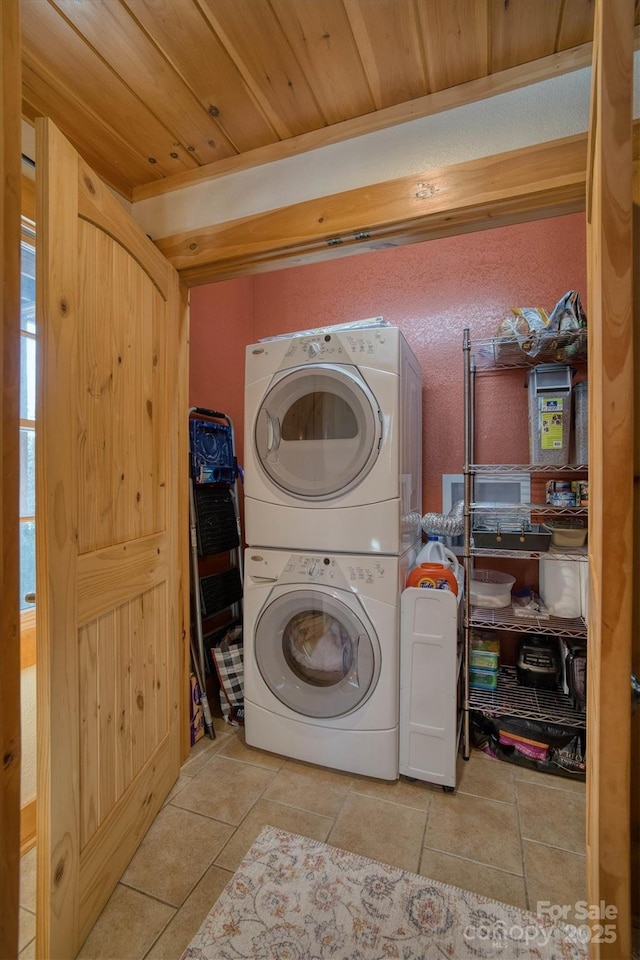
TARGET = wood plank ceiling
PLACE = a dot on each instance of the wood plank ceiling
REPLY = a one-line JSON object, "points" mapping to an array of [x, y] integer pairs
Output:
{"points": [[147, 89]]}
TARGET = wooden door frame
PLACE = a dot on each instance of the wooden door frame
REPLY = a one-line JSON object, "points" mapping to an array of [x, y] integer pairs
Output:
{"points": [[10, 165], [611, 482]]}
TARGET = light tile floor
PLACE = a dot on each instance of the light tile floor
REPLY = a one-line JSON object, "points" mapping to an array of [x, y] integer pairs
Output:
{"points": [[512, 834]]}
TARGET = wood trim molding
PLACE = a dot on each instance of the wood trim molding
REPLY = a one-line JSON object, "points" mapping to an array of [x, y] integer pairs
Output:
{"points": [[543, 180], [28, 826]]}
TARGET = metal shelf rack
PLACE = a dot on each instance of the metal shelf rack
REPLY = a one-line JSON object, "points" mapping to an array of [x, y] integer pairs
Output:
{"points": [[511, 698], [571, 469], [505, 619], [505, 353]]}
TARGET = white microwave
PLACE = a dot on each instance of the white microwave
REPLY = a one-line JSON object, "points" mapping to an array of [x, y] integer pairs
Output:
{"points": [[489, 488]]}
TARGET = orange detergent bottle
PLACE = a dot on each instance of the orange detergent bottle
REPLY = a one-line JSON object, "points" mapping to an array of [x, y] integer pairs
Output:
{"points": [[435, 576]]}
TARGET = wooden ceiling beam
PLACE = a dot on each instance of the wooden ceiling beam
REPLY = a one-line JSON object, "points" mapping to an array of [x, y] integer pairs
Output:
{"points": [[514, 78], [544, 180]]}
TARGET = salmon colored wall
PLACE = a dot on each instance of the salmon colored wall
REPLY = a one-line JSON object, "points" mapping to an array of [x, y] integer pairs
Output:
{"points": [[432, 291], [221, 324]]}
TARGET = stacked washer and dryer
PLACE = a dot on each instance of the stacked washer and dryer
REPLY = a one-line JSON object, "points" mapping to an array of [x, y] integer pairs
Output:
{"points": [[333, 506]]}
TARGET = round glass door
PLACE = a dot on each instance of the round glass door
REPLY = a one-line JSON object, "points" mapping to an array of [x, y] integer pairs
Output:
{"points": [[318, 431], [315, 654]]}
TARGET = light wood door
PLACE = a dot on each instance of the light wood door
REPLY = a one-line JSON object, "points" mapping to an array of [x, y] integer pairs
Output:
{"points": [[111, 395], [611, 450]]}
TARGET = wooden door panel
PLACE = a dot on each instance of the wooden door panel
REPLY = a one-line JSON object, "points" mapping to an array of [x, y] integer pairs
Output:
{"points": [[110, 630], [96, 204], [108, 577], [121, 380], [142, 687]]}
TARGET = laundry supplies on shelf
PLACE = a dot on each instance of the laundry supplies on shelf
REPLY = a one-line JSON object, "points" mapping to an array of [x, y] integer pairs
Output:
{"points": [[528, 691]]}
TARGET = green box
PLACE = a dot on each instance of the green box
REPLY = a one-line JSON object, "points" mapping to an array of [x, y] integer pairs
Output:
{"points": [[484, 652], [485, 659], [483, 679]]}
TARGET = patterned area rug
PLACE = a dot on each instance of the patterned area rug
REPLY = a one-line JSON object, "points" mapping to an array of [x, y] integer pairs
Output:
{"points": [[293, 898]]}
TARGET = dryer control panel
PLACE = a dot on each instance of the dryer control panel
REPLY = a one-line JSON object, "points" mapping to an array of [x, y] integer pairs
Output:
{"points": [[344, 348]]}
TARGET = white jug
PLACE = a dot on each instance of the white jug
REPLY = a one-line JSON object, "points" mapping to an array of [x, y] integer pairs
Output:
{"points": [[434, 551]]}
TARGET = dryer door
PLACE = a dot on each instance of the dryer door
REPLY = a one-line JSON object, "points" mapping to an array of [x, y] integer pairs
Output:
{"points": [[315, 653], [318, 431]]}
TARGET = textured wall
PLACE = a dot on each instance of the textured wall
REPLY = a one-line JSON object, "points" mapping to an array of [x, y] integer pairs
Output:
{"points": [[432, 291], [221, 324]]}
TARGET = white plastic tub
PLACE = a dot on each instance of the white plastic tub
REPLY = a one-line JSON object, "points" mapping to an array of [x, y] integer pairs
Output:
{"points": [[491, 588]]}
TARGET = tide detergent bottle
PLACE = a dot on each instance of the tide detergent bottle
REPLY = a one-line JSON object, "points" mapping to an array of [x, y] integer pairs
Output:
{"points": [[434, 576], [434, 551]]}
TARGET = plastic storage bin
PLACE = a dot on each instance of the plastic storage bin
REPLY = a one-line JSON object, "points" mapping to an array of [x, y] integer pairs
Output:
{"points": [[491, 589], [567, 533], [549, 413]]}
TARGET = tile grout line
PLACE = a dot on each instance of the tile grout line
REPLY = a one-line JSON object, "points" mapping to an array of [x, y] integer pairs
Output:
{"points": [[424, 835], [553, 846], [520, 837], [478, 863]]}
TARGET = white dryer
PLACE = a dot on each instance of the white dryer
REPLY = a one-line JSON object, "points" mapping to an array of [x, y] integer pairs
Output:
{"points": [[321, 657], [333, 442]]}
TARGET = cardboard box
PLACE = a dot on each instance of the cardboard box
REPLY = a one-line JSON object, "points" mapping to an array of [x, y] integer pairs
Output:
{"points": [[195, 712]]}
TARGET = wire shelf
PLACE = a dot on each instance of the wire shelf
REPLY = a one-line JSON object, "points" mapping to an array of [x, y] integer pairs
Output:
{"points": [[545, 509], [498, 554], [503, 618], [552, 346], [508, 468], [513, 700]]}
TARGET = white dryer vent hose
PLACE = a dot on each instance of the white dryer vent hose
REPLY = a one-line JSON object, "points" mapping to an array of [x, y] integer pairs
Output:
{"points": [[445, 524]]}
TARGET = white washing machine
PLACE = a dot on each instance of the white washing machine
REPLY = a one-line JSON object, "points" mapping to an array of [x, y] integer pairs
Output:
{"points": [[333, 442], [321, 657]]}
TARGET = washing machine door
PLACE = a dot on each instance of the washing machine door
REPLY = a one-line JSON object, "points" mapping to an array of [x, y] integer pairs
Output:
{"points": [[316, 653], [318, 431]]}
